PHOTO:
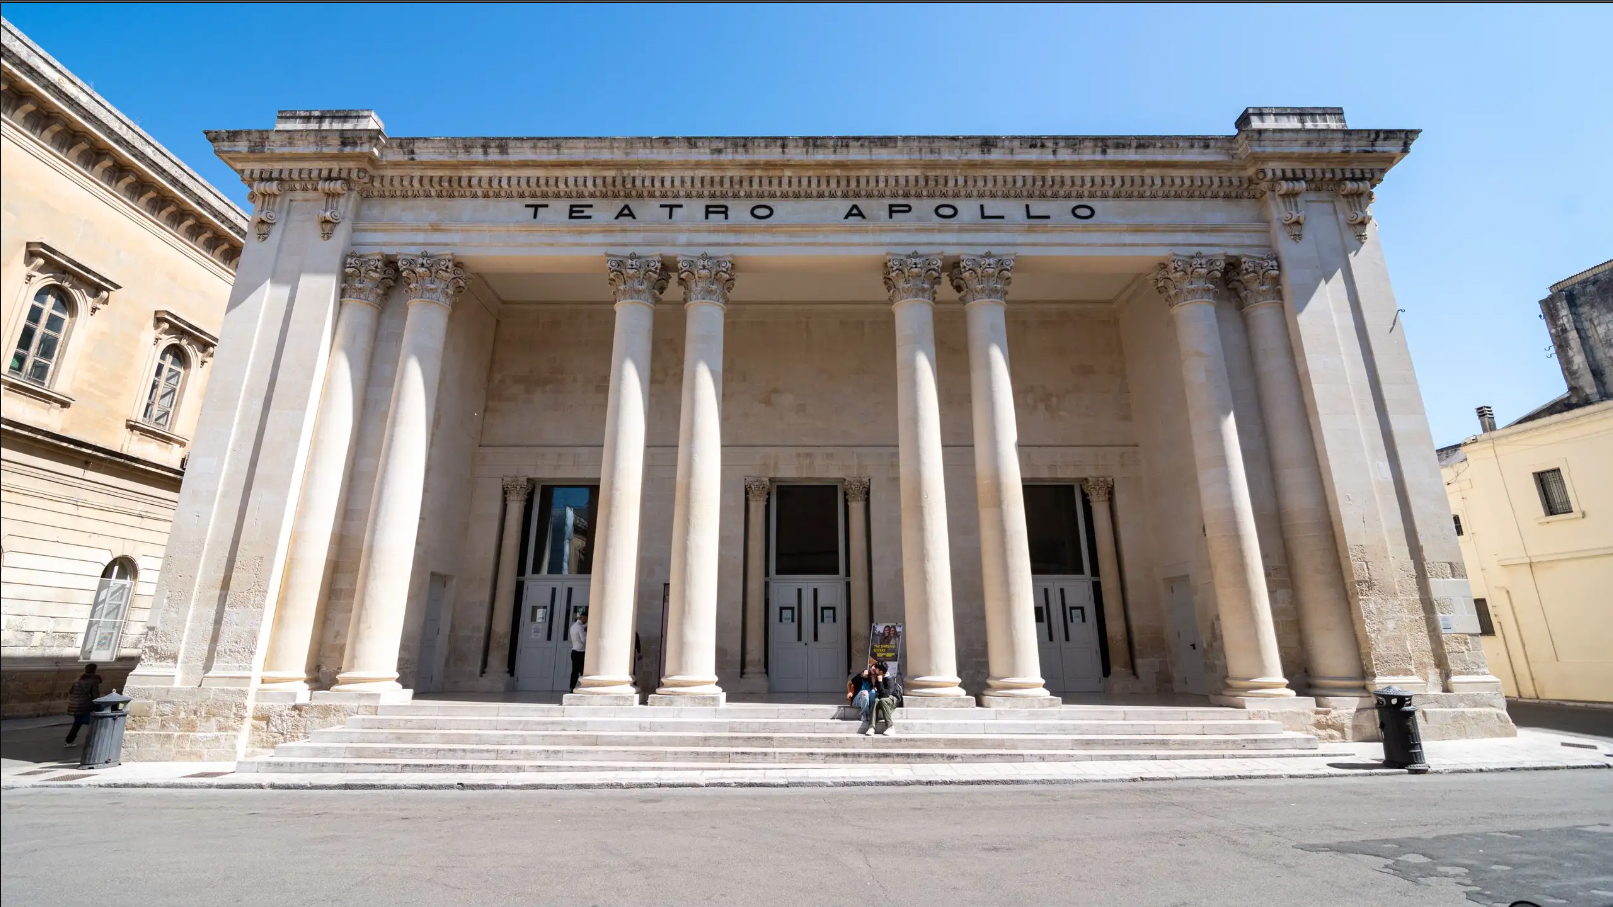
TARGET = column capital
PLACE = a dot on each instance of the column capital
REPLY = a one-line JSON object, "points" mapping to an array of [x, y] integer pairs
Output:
{"points": [[516, 489], [983, 278], [367, 278], [636, 279], [913, 276], [1099, 488], [431, 278], [857, 489], [1255, 279], [706, 278], [1184, 279], [756, 488]]}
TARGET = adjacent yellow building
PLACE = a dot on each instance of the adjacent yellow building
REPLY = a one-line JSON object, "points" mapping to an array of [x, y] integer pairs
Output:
{"points": [[1533, 504], [115, 266]]}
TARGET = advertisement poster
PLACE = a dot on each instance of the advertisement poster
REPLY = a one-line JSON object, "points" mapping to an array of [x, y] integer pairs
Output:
{"points": [[885, 644]]}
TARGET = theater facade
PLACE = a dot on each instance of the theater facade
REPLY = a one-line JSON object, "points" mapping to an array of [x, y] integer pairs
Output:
{"points": [[1086, 416]]}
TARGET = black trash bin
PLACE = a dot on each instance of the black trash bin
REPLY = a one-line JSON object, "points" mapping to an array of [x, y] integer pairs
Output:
{"points": [[104, 749], [1397, 721]]}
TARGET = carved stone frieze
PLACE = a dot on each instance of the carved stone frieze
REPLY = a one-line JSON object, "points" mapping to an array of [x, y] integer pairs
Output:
{"points": [[41, 260], [913, 276], [367, 278], [1255, 279], [431, 278], [857, 489], [335, 207], [1098, 488], [1191, 278], [635, 278], [983, 278], [1291, 210], [756, 488], [1357, 198], [706, 278], [197, 343]]}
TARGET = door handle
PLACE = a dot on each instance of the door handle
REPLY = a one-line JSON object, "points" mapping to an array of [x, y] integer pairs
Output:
{"points": [[816, 616], [800, 610], [1064, 606]]}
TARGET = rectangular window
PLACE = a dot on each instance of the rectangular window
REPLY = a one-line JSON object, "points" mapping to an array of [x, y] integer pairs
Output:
{"points": [[1052, 520], [1458, 520], [1486, 625], [806, 530], [1553, 492], [566, 530]]}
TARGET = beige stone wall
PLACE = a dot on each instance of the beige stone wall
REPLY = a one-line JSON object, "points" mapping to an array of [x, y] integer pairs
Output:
{"points": [[1544, 578], [102, 490]]}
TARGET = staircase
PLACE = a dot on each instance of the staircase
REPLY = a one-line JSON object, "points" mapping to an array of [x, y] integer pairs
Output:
{"points": [[452, 737]]}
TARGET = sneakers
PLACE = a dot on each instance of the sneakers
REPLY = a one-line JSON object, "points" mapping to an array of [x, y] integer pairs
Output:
{"points": [[865, 727], [867, 731]]}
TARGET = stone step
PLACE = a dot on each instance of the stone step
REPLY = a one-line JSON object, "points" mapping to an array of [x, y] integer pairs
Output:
{"points": [[803, 725], [717, 748], [423, 736], [738, 762], [821, 712]]}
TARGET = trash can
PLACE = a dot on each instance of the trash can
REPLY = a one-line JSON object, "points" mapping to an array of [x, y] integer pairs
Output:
{"points": [[104, 749], [1397, 721]]}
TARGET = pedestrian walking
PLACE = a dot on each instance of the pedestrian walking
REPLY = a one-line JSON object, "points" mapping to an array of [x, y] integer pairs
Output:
{"points": [[579, 646], [81, 698]]}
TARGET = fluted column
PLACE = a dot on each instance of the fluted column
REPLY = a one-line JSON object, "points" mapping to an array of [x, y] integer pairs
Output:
{"points": [[1099, 491], [1013, 666], [637, 284], [1326, 630], [932, 665], [1249, 637], [387, 562], [691, 643], [859, 610], [756, 489], [516, 491], [366, 279]]}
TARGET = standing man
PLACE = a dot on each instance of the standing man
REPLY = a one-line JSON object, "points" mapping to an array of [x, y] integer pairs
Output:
{"points": [[81, 698], [579, 645]]}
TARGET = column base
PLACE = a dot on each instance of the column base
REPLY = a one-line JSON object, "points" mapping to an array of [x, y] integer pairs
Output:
{"points": [[362, 697], [1044, 701], [916, 701], [689, 700], [1268, 703], [282, 695], [599, 700]]}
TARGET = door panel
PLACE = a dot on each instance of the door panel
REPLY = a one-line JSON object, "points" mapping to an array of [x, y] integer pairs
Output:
{"points": [[807, 636], [543, 653], [1186, 644], [1067, 635]]}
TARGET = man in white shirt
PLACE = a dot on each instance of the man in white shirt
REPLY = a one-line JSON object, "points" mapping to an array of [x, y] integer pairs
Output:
{"points": [[579, 645]]}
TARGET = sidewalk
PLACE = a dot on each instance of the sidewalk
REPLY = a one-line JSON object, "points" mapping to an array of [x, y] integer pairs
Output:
{"points": [[1530, 750]]}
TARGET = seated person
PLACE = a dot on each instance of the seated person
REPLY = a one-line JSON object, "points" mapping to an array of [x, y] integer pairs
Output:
{"points": [[860, 694], [887, 698]]}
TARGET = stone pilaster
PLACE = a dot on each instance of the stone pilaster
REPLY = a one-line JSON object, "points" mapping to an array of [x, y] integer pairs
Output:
{"points": [[1099, 490], [756, 491], [517, 489], [860, 607]]}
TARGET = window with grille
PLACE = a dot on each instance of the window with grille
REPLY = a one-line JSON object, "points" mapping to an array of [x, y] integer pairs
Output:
{"points": [[112, 596], [163, 397], [1553, 492], [43, 332], [1486, 624]]}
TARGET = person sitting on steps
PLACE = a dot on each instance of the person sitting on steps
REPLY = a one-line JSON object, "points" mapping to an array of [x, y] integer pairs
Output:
{"points": [[884, 688], [860, 695]]}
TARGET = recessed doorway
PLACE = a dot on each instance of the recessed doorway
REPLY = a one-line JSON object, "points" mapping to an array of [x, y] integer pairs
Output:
{"points": [[556, 560], [1069, 622], [807, 589]]}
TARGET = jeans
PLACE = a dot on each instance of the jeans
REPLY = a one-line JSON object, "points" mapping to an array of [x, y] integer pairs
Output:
{"points": [[78, 722], [864, 702]]}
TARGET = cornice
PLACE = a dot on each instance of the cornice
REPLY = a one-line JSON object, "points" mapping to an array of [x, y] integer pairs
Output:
{"points": [[70, 445], [44, 101]]}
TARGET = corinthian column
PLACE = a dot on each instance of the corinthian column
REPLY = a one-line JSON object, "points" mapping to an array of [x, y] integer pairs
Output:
{"points": [[1249, 637], [365, 282], [1326, 631], [1014, 673], [932, 667], [608, 667], [691, 643], [387, 562], [859, 612], [1099, 491], [516, 490], [756, 576]]}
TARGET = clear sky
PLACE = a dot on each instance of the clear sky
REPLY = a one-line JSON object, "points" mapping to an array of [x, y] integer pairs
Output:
{"points": [[1509, 189]]}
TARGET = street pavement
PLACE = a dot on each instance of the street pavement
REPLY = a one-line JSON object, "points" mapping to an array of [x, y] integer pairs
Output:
{"points": [[1544, 836]]}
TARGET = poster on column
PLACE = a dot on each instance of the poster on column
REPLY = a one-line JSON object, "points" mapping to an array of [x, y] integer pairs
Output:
{"points": [[885, 644]]}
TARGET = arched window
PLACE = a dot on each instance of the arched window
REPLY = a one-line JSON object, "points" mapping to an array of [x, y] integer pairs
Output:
{"points": [[163, 397], [112, 596], [43, 333]]}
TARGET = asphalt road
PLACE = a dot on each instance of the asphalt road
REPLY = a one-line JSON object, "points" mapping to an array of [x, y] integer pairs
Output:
{"points": [[1431, 840]]}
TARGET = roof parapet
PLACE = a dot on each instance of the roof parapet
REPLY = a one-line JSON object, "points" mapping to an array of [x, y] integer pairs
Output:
{"points": [[327, 120], [1291, 118]]}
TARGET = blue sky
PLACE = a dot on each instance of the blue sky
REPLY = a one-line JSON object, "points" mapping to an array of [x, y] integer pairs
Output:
{"points": [[1506, 192]]}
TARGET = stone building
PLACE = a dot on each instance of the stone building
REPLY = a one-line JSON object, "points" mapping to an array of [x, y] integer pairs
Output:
{"points": [[743, 398], [115, 264], [1533, 510]]}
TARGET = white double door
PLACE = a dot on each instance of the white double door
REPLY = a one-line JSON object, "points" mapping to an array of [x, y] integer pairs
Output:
{"points": [[807, 635], [1067, 633], [543, 650]]}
